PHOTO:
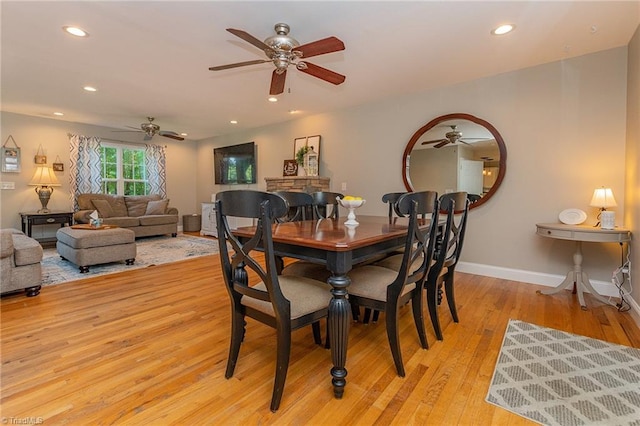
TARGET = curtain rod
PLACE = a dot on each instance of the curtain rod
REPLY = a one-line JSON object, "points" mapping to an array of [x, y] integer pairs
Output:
{"points": [[118, 140]]}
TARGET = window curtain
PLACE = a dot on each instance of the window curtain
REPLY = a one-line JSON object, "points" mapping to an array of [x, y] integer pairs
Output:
{"points": [[156, 166], [84, 168]]}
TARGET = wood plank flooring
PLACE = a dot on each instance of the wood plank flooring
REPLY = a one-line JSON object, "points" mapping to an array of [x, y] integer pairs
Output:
{"points": [[149, 346]]}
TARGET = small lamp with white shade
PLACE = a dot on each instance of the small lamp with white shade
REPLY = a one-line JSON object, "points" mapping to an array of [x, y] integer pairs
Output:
{"points": [[603, 198], [44, 179]]}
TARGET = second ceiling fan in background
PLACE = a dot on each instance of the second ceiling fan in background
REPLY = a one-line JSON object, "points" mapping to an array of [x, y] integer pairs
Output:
{"points": [[283, 51]]}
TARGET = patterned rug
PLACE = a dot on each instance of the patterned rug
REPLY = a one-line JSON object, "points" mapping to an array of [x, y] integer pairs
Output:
{"points": [[558, 378], [150, 251]]}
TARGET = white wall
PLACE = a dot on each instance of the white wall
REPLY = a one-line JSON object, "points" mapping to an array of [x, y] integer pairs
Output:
{"points": [[30, 132], [632, 193], [564, 127]]}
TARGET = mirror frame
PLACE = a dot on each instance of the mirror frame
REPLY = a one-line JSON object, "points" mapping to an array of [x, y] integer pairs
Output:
{"points": [[459, 116]]}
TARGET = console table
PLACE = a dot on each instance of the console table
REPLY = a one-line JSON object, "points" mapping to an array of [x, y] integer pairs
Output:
{"points": [[580, 233], [29, 219]]}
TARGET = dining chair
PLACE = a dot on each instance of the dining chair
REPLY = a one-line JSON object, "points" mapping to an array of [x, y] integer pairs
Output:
{"points": [[392, 198], [395, 257], [383, 289], [284, 303], [325, 205], [456, 204], [300, 204]]}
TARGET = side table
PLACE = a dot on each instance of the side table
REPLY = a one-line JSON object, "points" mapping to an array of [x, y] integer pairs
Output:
{"points": [[30, 219], [580, 233]]}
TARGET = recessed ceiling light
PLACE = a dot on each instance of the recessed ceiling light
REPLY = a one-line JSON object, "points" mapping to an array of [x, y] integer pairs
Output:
{"points": [[90, 89], [273, 99], [58, 114], [78, 32], [234, 122], [503, 29]]}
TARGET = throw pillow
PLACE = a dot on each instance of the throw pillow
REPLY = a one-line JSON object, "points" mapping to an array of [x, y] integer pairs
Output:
{"points": [[157, 207], [103, 207]]}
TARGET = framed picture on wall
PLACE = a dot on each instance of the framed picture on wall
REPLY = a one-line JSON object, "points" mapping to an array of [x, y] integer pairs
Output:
{"points": [[290, 168], [11, 160], [310, 141]]}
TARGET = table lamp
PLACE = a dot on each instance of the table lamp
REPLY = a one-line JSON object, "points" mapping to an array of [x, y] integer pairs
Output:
{"points": [[603, 198], [44, 179]]}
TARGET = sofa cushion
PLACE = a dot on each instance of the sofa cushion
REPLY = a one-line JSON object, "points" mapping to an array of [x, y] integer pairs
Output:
{"points": [[157, 207], [104, 208], [162, 219], [137, 204], [85, 202], [122, 222], [26, 250]]}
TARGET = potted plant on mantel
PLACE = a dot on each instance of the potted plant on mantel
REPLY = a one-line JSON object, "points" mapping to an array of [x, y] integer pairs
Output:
{"points": [[300, 160]]}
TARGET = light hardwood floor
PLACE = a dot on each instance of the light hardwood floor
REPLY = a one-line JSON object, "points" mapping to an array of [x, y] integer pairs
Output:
{"points": [[149, 347]]}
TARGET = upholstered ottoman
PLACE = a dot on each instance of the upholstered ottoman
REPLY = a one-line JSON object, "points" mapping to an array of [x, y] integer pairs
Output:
{"points": [[86, 247]]}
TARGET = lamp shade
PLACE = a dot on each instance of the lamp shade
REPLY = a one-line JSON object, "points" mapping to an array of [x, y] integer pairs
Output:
{"points": [[44, 176], [603, 198]]}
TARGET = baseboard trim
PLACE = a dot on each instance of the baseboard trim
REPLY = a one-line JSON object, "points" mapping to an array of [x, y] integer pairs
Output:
{"points": [[550, 280]]}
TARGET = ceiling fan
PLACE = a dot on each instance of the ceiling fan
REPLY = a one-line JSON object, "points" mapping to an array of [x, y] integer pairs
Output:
{"points": [[450, 138], [283, 51], [151, 129]]}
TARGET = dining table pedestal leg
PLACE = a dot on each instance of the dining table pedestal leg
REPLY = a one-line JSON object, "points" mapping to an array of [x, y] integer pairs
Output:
{"points": [[339, 323]]}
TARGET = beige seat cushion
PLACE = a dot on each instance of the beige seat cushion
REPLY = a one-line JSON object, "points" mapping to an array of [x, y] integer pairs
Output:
{"points": [[372, 281], [161, 219], [394, 262], [304, 294], [308, 270]]}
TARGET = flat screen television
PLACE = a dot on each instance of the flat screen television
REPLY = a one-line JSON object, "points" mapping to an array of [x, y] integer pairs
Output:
{"points": [[235, 164]]}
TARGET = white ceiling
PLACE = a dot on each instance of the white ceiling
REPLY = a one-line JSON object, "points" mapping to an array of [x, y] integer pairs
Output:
{"points": [[152, 58]]}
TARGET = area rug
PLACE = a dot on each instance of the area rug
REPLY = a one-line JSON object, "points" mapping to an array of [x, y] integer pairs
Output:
{"points": [[558, 378], [150, 251]]}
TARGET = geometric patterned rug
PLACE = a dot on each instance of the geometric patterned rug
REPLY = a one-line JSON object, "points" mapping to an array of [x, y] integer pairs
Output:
{"points": [[149, 251], [558, 378]]}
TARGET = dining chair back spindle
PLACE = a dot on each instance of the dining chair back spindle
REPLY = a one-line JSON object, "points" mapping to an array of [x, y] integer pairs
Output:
{"points": [[284, 303]]}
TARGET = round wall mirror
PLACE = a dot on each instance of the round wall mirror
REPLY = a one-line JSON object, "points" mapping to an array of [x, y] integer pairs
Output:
{"points": [[456, 152]]}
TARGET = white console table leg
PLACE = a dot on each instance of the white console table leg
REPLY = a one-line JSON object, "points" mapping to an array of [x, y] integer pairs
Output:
{"points": [[580, 279]]}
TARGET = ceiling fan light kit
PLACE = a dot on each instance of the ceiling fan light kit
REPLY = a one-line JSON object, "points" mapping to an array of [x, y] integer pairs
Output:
{"points": [[283, 50]]}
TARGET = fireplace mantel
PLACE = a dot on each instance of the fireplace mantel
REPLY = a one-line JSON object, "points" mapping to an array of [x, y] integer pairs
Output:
{"points": [[298, 183]]}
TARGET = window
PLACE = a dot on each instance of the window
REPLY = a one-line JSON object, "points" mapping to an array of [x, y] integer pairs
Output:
{"points": [[123, 170]]}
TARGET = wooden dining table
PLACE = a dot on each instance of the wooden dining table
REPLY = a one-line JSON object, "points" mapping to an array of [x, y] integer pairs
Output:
{"points": [[340, 247]]}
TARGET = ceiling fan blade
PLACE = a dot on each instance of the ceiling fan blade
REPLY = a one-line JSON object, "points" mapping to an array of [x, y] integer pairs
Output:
{"points": [[435, 141], [127, 131], [239, 64], [249, 38], [441, 144], [320, 47], [321, 73], [277, 82], [172, 135]]}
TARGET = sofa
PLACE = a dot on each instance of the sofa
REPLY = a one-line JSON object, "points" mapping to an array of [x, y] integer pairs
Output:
{"points": [[145, 215], [20, 258]]}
